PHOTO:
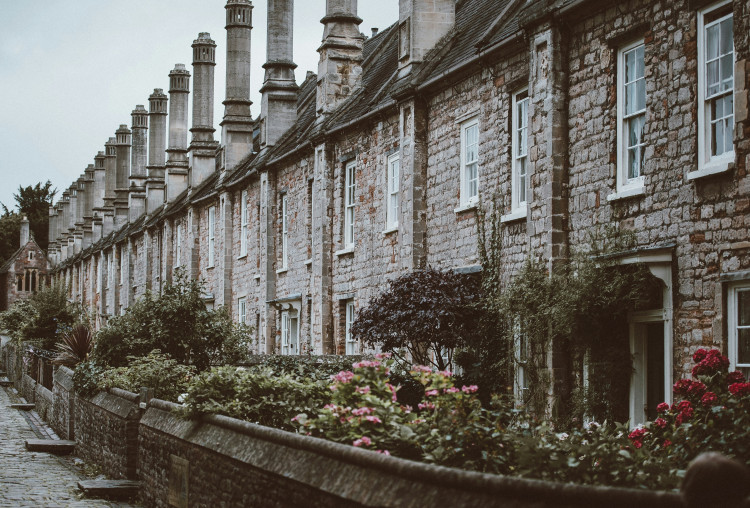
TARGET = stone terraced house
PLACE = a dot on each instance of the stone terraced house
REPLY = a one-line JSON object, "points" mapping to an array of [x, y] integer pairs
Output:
{"points": [[579, 113]]}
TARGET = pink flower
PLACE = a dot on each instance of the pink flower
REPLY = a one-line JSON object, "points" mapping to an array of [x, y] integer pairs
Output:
{"points": [[382, 356], [421, 368], [446, 373], [294, 419], [469, 389], [393, 391], [428, 405], [662, 408], [343, 377], [364, 440], [452, 389], [364, 390], [709, 399], [373, 419], [331, 407], [362, 411], [666, 443], [384, 452], [431, 393], [366, 363], [712, 363], [660, 422]]}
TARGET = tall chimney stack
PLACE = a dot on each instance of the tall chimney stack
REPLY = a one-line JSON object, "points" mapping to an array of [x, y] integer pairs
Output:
{"points": [[157, 143], [138, 163], [236, 127], [422, 23], [52, 234], [177, 163], [340, 65], [88, 205], [202, 146], [98, 195], [122, 153], [279, 103], [24, 231]]}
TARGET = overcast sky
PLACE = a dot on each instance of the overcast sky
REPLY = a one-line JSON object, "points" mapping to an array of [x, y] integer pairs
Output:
{"points": [[71, 71]]}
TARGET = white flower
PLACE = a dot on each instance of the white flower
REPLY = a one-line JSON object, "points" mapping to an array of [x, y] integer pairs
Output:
{"points": [[181, 398]]}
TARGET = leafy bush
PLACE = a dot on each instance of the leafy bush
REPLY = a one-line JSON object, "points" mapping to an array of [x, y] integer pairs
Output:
{"points": [[425, 314], [177, 323], [259, 395], [318, 368], [86, 377], [43, 318], [158, 371]]}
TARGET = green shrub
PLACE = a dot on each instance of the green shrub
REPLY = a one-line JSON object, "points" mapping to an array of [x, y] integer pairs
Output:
{"points": [[177, 323], [158, 371], [257, 395]]}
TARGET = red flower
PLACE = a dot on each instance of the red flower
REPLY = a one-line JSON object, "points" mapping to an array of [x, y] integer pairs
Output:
{"points": [[662, 408], [667, 442], [735, 377], [739, 389], [686, 411], [699, 355], [709, 399], [637, 436], [712, 363], [660, 422]]}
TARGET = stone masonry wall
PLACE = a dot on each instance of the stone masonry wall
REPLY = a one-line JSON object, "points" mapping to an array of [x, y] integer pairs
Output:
{"points": [[62, 416], [107, 431]]}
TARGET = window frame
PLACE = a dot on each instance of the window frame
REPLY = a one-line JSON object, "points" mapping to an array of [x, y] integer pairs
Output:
{"points": [[733, 291], [178, 246], [707, 163], [350, 200], [625, 184], [466, 200], [211, 234], [392, 191], [519, 206], [351, 346], [284, 211], [244, 223], [242, 310]]}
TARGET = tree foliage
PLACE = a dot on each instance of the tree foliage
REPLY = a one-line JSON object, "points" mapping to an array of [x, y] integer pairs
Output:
{"points": [[43, 318], [176, 322], [32, 202], [426, 314]]}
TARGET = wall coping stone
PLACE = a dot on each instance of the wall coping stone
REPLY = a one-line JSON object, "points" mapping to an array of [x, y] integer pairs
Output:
{"points": [[120, 403], [64, 376], [386, 476]]}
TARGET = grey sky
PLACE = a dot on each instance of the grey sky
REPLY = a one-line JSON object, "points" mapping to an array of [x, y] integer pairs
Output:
{"points": [[71, 71]]}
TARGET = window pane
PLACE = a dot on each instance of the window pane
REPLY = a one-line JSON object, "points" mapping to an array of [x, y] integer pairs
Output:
{"points": [[712, 78], [729, 134], [743, 346], [712, 42], [727, 72], [743, 308], [727, 36]]}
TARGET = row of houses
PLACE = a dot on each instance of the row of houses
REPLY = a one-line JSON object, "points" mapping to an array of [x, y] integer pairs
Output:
{"points": [[577, 113]]}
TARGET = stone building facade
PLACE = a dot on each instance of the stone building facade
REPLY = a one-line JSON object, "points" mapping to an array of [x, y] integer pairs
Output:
{"points": [[25, 271], [578, 113]]}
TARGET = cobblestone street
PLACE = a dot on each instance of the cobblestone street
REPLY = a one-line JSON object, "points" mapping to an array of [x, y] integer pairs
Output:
{"points": [[33, 478]]}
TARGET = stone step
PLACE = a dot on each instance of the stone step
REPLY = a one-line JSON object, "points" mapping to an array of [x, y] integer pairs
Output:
{"points": [[55, 446], [109, 489], [6, 382], [23, 407]]}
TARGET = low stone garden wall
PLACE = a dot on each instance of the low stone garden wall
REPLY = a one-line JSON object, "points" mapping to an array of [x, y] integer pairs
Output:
{"points": [[62, 417], [44, 402], [227, 462], [106, 431]]}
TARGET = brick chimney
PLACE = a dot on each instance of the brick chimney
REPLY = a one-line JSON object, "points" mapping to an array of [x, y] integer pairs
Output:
{"points": [[278, 110], [177, 162], [340, 65], [237, 125], [202, 152], [122, 156], [139, 125], [421, 24], [24, 231], [157, 143]]}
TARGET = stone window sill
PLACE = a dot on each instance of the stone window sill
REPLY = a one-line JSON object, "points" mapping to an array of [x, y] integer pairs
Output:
{"points": [[308, 262], [345, 251], [630, 192], [467, 207], [282, 270], [256, 276], [388, 231], [710, 170], [244, 256], [514, 215]]}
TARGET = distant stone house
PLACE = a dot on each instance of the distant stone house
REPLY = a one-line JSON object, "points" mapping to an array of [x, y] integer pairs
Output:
{"points": [[25, 271], [579, 113]]}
